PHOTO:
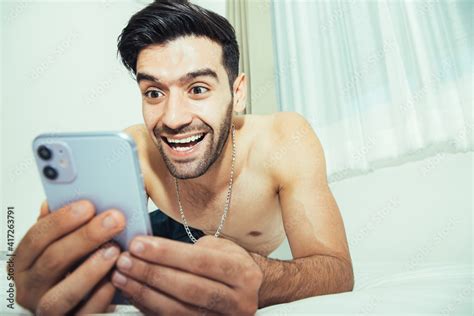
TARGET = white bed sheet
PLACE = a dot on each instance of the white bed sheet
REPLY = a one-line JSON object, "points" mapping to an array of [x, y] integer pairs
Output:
{"points": [[445, 289]]}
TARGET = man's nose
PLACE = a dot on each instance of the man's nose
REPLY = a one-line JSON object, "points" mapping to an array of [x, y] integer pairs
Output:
{"points": [[176, 112]]}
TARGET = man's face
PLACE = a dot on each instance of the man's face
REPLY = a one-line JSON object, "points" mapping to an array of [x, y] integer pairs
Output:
{"points": [[187, 103]]}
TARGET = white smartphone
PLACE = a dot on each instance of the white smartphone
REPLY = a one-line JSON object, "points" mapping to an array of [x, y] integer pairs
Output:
{"points": [[102, 167]]}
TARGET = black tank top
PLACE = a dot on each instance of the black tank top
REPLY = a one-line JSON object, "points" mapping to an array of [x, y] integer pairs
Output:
{"points": [[164, 226]]}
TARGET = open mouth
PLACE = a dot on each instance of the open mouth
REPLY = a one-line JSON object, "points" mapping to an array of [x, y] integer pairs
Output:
{"points": [[184, 144]]}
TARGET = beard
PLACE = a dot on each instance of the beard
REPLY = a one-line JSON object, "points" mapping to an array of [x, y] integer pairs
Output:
{"points": [[211, 147]]}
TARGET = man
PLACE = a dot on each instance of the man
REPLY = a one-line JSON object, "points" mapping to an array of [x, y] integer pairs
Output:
{"points": [[249, 180]]}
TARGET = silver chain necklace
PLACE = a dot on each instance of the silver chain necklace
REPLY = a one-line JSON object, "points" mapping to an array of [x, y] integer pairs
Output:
{"points": [[227, 201]]}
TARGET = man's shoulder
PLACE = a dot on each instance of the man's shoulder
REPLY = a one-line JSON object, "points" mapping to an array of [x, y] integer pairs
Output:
{"points": [[287, 129], [137, 131], [284, 122], [142, 139], [295, 145], [140, 135], [278, 122], [274, 137], [271, 132]]}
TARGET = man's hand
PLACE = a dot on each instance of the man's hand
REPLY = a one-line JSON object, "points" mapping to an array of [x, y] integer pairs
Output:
{"points": [[214, 276], [53, 246]]}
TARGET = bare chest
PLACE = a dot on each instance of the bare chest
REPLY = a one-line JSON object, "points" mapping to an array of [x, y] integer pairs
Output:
{"points": [[253, 218]]}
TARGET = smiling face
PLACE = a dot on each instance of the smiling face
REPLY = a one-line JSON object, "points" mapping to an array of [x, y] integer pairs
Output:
{"points": [[187, 102]]}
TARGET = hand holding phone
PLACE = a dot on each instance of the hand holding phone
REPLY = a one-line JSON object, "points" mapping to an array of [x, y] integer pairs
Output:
{"points": [[57, 242], [102, 170], [101, 167]]}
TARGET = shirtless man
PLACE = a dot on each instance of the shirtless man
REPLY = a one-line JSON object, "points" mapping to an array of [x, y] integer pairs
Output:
{"points": [[197, 155]]}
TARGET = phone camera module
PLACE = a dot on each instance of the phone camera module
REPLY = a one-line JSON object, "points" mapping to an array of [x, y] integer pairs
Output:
{"points": [[44, 152], [50, 173]]}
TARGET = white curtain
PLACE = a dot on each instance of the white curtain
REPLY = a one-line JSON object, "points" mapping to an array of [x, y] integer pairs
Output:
{"points": [[381, 82]]}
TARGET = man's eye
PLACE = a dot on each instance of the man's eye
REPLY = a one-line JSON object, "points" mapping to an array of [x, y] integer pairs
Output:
{"points": [[199, 90], [153, 94]]}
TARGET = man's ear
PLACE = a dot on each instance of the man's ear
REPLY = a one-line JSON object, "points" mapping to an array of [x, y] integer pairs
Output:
{"points": [[240, 93]]}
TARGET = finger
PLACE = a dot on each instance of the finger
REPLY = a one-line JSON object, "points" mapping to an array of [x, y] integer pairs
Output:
{"points": [[100, 299], [68, 293], [61, 254], [44, 210], [210, 241], [151, 300], [210, 263], [50, 228], [183, 286]]}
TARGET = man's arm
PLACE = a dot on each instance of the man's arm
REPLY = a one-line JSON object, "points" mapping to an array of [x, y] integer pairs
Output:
{"points": [[321, 261], [287, 281]]}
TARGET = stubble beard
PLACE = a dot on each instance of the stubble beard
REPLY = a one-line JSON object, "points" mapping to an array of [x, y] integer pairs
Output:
{"points": [[198, 167]]}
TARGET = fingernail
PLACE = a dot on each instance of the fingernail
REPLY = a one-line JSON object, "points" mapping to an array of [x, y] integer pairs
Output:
{"points": [[119, 278], [110, 252], [137, 246], [109, 222], [79, 208], [124, 263]]}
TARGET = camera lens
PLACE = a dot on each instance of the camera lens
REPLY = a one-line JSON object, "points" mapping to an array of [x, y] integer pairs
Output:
{"points": [[44, 152], [50, 173]]}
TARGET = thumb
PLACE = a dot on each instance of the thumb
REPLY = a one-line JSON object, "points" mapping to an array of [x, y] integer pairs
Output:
{"points": [[44, 210]]}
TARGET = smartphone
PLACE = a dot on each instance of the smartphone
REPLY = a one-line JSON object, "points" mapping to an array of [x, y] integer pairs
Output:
{"points": [[102, 167]]}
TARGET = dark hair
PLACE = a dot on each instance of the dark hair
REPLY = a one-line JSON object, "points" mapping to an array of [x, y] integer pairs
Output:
{"points": [[165, 20]]}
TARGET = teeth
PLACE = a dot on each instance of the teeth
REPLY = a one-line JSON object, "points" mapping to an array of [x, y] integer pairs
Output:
{"points": [[184, 140], [182, 148]]}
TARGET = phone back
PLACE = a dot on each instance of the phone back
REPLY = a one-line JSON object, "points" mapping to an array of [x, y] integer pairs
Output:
{"points": [[102, 167]]}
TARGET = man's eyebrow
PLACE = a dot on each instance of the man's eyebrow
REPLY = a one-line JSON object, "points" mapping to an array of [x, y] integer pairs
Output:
{"points": [[199, 73], [189, 76], [143, 76]]}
